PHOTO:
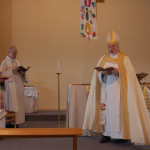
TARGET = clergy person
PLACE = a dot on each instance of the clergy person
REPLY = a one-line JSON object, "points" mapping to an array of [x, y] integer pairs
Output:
{"points": [[14, 89], [2, 109], [116, 104]]}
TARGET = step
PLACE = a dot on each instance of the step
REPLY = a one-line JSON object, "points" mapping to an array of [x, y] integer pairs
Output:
{"points": [[42, 124], [45, 115]]}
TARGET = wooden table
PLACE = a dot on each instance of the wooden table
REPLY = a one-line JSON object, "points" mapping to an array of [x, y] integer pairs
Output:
{"points": [[41, 132]]}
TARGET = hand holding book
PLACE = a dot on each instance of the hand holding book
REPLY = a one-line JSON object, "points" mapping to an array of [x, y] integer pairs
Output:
{"points": [[3, 78], [23, 70], [104, 69], [108, 71]]}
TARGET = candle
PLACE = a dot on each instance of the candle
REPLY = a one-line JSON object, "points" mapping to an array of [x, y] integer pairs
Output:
{"points": [[58, 67]]}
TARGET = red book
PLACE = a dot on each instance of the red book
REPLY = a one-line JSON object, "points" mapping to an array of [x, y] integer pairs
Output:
{"points": [[104, 69], [3, 77]]}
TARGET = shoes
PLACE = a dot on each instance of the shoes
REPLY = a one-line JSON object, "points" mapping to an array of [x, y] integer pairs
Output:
{"points": [[119, 141], [9, 126], [104, 139]]}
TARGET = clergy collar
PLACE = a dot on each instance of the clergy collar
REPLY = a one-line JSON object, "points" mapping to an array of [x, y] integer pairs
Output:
{"points": [[13, 59], [114, 56]]}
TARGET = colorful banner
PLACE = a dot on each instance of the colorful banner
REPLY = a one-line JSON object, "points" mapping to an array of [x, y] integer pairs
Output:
{"points": [[88, 23]]}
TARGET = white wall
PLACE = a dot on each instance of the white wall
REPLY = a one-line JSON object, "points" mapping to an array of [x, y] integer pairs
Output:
{"points": [[5, 27], [47, 31]]}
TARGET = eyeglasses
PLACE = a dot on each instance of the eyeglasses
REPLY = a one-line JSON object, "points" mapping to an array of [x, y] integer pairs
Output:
{"points": [[14, 53]]}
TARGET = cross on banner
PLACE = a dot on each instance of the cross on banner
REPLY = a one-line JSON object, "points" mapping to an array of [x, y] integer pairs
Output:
{"points": [[88, 22]]}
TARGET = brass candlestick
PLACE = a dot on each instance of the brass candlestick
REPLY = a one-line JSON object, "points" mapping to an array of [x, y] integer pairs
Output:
{"points": [[58, 75]]}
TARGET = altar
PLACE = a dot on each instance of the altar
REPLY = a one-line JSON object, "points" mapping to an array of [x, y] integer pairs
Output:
{"points": [[30, 99], [77, 95]]}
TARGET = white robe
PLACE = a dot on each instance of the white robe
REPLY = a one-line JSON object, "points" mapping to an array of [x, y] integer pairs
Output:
{"points": [[14, 90], [111, 97], [112, 118]]}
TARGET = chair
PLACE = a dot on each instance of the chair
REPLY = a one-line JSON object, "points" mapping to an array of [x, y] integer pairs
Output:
{"points": [[11, 117]]}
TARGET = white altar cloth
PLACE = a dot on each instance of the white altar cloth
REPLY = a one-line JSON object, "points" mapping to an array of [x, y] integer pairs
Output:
{"points": [[30, 99], [76, 104]]}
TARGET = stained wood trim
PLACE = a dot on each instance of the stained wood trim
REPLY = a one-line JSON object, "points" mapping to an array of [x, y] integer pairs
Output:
{"points": [[100, 1], [40, 132]]}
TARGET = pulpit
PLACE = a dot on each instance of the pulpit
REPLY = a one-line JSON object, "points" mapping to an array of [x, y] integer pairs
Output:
{"points": [[30, 99]]}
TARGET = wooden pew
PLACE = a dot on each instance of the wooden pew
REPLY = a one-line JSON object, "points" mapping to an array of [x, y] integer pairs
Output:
{"points": [[41, 132]]}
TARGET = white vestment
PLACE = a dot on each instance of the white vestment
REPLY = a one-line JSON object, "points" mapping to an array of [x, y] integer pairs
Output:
{"points": [[111, 117], [111, 97], [14, 90]]}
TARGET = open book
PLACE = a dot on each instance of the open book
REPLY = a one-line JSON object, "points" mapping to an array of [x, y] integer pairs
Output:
{"points": [[21, 68], [104, 69]]}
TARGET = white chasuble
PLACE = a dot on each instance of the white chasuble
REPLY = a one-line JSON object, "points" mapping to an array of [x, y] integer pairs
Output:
{"points": [[14, 90], [122, 118]]}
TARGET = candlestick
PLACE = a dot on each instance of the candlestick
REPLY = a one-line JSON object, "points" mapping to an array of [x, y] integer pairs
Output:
{"points": [[58, 100], [58, 67]]}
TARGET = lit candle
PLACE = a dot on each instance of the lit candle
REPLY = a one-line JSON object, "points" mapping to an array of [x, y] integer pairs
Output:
{"points": [[58, 67]]}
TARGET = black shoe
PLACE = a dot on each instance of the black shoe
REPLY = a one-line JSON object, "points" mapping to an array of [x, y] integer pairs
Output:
{"points": [[9, 126], [104, 139], [119, 141]]}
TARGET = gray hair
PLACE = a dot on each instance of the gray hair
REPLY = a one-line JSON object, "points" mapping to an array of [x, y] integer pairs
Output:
{"points": [[10, 48]]}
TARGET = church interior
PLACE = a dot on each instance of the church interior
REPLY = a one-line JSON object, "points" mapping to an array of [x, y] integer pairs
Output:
{"points": [[47, 36]]}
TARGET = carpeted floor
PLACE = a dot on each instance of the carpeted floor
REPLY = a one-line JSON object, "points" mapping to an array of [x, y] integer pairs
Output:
{"points": [[42, 124], [84, 143], [48, 119]]}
